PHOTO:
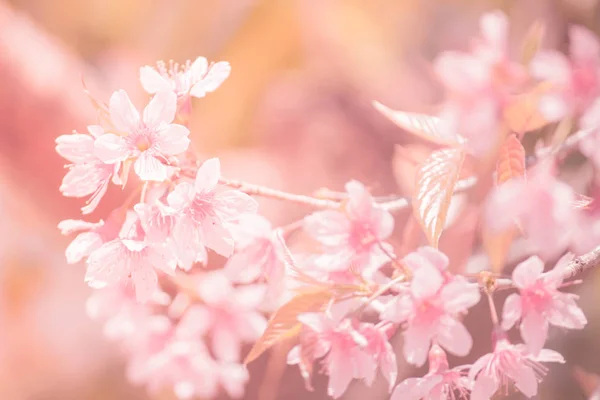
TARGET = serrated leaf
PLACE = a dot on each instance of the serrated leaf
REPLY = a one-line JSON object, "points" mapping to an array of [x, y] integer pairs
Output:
{"points": [[436, 179], [532, 42], [522, 114], [422, 125], [511, 160], [284, 322]]}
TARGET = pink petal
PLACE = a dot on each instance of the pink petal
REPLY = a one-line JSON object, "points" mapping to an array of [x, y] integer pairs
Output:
{"points": [[426, 281], [234, 378], [584, 44], [149, 168], [389, 365], [435, 257], [107, 265], [251, 326], [494, 29], [250, 297], [145, 281], [551, 66], [182, 196], [534, 331], [152, 81], [69, 226], [554, 107], [161, 108], [208, 175], [123, 114], [329, 227], [315, 321], [226, 344], [415, 388], [199, 68], [217, 237], [82, 246], [231, 204], [528, 272], [525, 380], [95, 130], [484, 388], [242, 267], [340, 369], [459, 295], [454, 337], [417, 341], [511, 311], [94, 200], [162, 257], [111, 148], [566, 313], [76, 148], [547, 355], [173, 140], [461, 73], [185, 237], [216, 75], [196, 322]]}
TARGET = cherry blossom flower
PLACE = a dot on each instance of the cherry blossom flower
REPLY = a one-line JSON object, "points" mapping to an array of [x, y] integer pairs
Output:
{"points": [[195, 79], [509, 363], [353, 236], [429, 308], [426, 255], [542, 205], [440, 382], [150, 140], [539, 303], [479, 85], [339, 341], [576, 80], [381, 351], [157, 220], [204, 215], [88, 175], [124, 259], [92, 235], [258, 254], [229, 314]]}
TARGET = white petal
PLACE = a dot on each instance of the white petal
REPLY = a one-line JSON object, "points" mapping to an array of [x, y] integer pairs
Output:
{"points": [[152, 81], [123, 114], [162, 108]]}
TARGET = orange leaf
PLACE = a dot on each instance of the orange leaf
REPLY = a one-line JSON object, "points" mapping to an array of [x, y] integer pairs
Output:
{"points": [[522, 114], [511, 160], [436, 179], [284, 323], [422, 125]]}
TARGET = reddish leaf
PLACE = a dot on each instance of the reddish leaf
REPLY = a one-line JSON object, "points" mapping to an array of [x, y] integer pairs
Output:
{"points": [[421, 125], [522, 114], [284, 323], [511, 160], [436, 179]]}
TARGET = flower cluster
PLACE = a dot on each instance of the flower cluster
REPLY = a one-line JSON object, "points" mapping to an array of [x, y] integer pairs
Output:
{"points": [[184, 323]]}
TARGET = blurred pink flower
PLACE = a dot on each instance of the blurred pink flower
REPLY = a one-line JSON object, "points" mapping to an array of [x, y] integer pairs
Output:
{"points": [[195, 79], [204, 215], [381, 351], [88, 175], [429, 309], [92, 235], [353, 237], [440, 382], [576, 79], [509, 363], [539, 303], [426, 255], [150, 140], [229, 314], [258, 254], [542, 205], [479, 84], [127, 259], [343, 347]]}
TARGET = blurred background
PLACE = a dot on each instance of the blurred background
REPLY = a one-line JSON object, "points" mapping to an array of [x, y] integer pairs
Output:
{"points": [[295, 114]]}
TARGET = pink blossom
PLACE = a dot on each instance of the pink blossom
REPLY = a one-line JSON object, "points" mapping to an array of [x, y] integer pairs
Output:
{"points": [[353, 237], [150, 140], [430, 309], [543, 207], [576, 80], [195, 79], [343, 347], [88, 175], [540, 303], [509, 363], [258, 253], [128, 259], [156, 219], [381, 351], [229, 314], [479, 85], [426, 255], [440, 382], [92, 235], [204, 215]]}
